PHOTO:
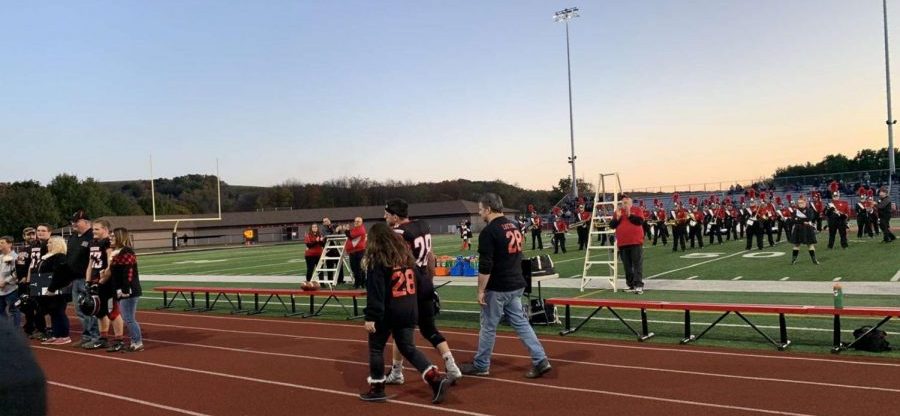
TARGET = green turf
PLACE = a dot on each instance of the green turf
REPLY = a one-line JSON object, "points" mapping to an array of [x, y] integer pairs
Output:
{"points": [[865, 260]]}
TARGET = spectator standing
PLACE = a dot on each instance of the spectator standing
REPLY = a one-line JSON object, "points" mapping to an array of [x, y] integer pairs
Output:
{"points": [[628, 223], [78, 249], [9, 281], [123, 273], [356, 248], [315, 241]]}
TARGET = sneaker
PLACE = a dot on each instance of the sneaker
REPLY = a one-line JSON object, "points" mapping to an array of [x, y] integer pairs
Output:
{"points": [[469, 369], [439, 384], [43, 336], [93, 345], [638, 291], [116, 346], [61, 341], [49, 341], [36, 336], [395, 377], [134, 348], [453, 372], [375, 393], [539, 370], [793, 261]]}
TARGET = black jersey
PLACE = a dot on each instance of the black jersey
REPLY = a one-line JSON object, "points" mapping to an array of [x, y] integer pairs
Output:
{"points": [[417, 235], [391, 296], [37, 249], [99, 256], [500, 255]]}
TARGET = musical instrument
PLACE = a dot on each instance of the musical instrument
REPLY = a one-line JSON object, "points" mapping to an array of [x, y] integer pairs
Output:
{"points": [[578, 224]]}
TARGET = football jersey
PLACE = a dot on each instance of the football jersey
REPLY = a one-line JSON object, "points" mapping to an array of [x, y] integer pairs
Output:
{"points": [[36, 250], [99, 256], [417, 235]]}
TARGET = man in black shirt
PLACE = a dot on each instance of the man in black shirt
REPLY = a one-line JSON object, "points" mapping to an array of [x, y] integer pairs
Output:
{"points": [[78, 255], [884, 213], [500, 288]]}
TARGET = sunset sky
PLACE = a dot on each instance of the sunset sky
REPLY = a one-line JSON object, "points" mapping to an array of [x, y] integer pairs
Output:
{"points": [[665, 92]]}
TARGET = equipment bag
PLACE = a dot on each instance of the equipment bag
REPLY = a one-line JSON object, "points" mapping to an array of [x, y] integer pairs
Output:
{"points": [[542, 265], [540, 314], [875, 341]]}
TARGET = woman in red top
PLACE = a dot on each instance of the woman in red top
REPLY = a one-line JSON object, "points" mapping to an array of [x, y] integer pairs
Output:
{"points": [[356, 248], [315, 241], [627, 221]]}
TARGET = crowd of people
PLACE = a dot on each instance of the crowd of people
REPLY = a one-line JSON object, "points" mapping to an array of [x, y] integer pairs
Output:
{"points": [[95, 270]]}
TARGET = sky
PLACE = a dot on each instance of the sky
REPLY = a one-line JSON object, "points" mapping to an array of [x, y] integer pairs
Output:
{"points": [[665, 92]]}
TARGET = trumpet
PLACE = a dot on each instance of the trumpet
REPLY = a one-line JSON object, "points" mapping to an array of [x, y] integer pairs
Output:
{"points": [[578, 224]]}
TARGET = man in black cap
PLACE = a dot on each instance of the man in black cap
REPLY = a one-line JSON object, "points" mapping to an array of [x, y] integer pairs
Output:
{"points": [[78, 251]]}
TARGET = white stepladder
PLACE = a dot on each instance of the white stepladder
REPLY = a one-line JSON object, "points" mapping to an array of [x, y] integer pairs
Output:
{"points": [[601, 258], [330, 272]]}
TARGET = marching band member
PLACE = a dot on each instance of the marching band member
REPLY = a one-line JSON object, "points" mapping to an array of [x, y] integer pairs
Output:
{"points": [[768, 217], [659, 218], [645, 215], [560, 227], [819, 206], [537, 226], [862, 216], [838, 212], [584, 218], [695, 224], [874, 218], [804, 230], [754, 225], [680, 216]]}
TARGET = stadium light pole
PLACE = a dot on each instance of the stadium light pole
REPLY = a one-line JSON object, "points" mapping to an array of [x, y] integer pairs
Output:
{"points": [[890, 120], [564, 16]]}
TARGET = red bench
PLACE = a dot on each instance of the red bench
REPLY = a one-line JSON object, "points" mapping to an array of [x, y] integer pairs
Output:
{"points": [[188, 293], [726, 309]]}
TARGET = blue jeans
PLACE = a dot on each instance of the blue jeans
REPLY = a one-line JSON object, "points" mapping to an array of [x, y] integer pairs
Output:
{"points": [[89, 324], [510, 304], [58, 319], [128, 308], [10, 302]]}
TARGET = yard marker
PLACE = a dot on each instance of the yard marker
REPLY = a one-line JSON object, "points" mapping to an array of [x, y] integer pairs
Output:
{"points": [[896, 277], [836, 279], [785, 278], [738, 278]]}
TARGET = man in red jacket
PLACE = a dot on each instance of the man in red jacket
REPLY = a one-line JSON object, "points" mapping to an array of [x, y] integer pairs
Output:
{"points": [[356, 248], [628, 223]]}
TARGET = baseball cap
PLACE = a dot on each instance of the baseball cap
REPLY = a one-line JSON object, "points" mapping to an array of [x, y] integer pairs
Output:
{"points": [[80, 215]]}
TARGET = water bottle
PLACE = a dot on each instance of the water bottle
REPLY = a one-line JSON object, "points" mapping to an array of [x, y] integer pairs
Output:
{"points": [[838, 296]]}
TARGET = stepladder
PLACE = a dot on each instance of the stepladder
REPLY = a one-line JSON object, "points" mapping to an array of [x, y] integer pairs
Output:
{"points": [[601, 256], [332, 261]]}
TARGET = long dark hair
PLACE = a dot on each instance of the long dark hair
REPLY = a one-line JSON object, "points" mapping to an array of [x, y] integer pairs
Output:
{"points": [[386, 248]]}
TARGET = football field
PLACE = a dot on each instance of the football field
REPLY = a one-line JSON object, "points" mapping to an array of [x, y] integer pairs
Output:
{"points": [[866, 260]]}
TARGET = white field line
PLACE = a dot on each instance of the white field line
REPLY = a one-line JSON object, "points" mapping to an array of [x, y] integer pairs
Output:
{"points": [[697, 264], [836, 279], [257, 380], [692, 277], [556, 341], [784, 279], [738, 278], [127, 399], [896, 277]]}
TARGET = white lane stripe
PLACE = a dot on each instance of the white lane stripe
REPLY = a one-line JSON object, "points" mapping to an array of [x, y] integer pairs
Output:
{"points": [[837, 279], [697, 264], [525, 357], [692, 277], [738, 278], [785, 278], [127, 399], [523, 383], [896, 277], [555, 341], [257, 380]]}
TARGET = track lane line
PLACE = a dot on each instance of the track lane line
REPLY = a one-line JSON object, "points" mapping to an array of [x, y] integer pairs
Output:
{"points": [[127, 399]]}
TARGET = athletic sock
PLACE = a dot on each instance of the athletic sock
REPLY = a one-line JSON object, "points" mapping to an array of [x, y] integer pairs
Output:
{"points": [[794, 254], [812, 255]]}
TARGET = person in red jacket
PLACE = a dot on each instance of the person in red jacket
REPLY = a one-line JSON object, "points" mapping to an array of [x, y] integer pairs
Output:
{"points": [[628, 223], [315, 241], [356, 248]]}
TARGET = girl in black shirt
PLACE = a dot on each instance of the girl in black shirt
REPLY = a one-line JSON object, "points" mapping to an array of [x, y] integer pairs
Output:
{"points": [[392, 310]]}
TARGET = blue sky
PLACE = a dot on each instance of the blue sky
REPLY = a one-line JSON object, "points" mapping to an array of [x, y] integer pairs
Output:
{"points": [[666, 92]]}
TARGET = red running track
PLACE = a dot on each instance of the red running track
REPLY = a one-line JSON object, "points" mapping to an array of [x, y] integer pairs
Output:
{"points": [[218, 365]]}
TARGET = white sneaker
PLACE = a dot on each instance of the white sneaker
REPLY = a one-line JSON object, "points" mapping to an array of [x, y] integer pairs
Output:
{"points": [[453, 372], [395, 377]]}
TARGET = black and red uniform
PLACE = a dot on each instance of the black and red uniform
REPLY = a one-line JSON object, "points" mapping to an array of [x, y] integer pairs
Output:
{"points": [[417, 235], [660, 229], [315, 243], [560, 227], [838, 212], [695, 228], [536, 229], [99, 255], [585, 218]]}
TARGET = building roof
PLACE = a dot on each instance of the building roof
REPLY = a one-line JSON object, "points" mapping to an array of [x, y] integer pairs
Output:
{"points": [[297, 216]]}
